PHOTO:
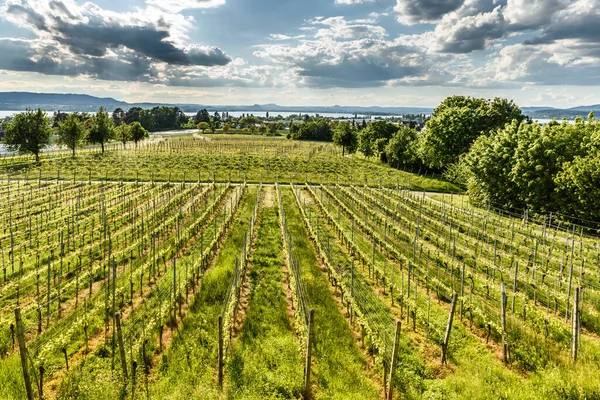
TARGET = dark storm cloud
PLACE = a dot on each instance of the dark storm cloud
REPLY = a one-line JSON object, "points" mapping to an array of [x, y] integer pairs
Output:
{"points": [[21, 56], [421, 11], [583, 27], [95, 38], [31, 16]]}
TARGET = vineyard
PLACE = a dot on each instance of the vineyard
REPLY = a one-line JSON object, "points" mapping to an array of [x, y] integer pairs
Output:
{"points": [[262, 269]]}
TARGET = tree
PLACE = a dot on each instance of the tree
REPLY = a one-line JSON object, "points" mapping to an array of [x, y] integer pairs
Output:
{"points": [[345, 135], [138, 133], [578, 187], [102, 128], [249, 121], [215, 122], [202, 116], [457, 122], [202, 126], [262, 129], [133, 115], [118, 116], [226, 127], [123, 133], [531, 166], [29, 132], [315, 129], [447, 136], [374, 138], [71, 132], [401, 149]]}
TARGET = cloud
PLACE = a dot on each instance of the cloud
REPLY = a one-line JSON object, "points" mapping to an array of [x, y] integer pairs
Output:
{"points": [[342, 57], [465, 34], [410, 12], [531, 14], [179, 5], [276, 36], [353, 1], [340, 28], [92, 31]]}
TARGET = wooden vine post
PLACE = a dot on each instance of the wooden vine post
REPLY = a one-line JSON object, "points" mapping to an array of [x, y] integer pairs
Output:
{"points": [[503, 321], [23, 353], [311, 319], [575, 325], [448, 329], [390, 394], [220, 354], [121, 345]]}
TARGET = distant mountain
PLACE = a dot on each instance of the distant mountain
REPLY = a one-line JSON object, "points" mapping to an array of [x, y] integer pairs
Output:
{"points": [[55, 102], [529, 110], [595, 107], [17, 101]]}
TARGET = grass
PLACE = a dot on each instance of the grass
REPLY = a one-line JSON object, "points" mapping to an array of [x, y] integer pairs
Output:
{"points": [[255, 158], [265, 361], [189, 370], [340, 369]]}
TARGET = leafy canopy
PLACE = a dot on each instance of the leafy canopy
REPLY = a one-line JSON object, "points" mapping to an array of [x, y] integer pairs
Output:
{"points": [[29, 132]]}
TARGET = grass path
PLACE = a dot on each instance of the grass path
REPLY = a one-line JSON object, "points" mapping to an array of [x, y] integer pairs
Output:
{"points": [[341, 370], [265, 361]]}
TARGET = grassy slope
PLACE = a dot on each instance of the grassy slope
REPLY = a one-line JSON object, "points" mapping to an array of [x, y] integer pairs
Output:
{"points": [[265, 361], [340, 368]]}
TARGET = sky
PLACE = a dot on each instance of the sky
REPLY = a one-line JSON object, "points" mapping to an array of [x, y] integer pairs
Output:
{"points": [[304, 52]]}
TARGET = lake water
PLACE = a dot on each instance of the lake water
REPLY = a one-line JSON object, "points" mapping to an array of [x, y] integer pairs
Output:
{"points": [[237, 114]]}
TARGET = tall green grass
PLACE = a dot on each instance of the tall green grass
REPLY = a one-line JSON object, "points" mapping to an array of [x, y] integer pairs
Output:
{"points": [[340, 369], [266, 362]]}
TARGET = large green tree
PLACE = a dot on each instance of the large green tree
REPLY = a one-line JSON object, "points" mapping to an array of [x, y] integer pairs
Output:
{"points": [[345, 135], [531, 166], [29, 132], [123, 133], [401, 148], [202, 116], [203, 126], [71, 132], [457, 122], [374, 138], [137, 133], [102, 128]]}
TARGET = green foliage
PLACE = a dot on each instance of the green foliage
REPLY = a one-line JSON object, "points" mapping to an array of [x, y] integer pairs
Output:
{"points": [[102, 128], [29, 132], [266, 362], [71, 132], [401, 149], [345, 135], [578, 187], [549, 168], [156, 119], [374, 138], [123, 133], [316, 129], [202, 116], [457, 122], [226, 127], [203, 126], [138, 133]]}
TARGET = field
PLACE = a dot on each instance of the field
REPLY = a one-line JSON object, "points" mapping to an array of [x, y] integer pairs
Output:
{"points": [[251, 269]]}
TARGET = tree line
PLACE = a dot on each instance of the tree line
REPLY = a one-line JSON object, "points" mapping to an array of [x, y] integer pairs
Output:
{"points": [[31, 132], [500, 155]]}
